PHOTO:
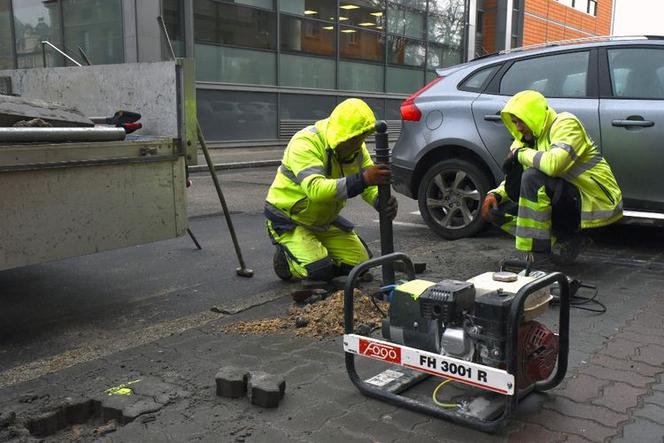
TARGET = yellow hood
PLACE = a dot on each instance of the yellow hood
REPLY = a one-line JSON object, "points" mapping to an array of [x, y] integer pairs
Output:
{"points": [[531, 107], [350, 118]]}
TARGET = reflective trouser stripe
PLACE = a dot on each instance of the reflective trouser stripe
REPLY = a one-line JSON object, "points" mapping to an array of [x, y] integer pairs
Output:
{"points": [[307, 247], [533, 223]]}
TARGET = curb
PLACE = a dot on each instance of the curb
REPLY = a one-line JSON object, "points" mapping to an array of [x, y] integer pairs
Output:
{"points": [[235, 165]]}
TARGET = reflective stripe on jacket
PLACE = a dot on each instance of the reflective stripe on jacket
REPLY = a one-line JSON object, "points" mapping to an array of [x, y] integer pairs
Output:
{"points": [[312, 184], [563, 149]]}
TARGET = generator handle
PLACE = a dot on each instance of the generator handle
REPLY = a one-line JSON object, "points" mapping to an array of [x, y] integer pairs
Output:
{"points": [[515, 315], [362, 267]]}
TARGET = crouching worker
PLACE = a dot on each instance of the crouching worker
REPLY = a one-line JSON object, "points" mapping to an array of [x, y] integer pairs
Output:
{"points": [[556, 183], [323, 166]]}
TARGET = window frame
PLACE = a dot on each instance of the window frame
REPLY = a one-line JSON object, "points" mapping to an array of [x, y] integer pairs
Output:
{"points": [[591, 86], [461, 86]]}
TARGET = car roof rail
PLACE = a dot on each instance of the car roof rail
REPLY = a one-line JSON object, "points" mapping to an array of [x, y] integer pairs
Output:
{"points": [[595, 38]]}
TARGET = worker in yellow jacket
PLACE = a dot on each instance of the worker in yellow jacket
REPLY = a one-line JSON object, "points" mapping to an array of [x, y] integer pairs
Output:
{"points": [[557, 183], [323, 166]]}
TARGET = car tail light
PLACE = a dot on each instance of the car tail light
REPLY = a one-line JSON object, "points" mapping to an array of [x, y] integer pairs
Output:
{"points": [[409, 111]]}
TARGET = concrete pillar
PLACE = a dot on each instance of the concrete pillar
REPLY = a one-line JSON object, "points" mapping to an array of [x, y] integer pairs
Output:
{"points": [[472, 29]]}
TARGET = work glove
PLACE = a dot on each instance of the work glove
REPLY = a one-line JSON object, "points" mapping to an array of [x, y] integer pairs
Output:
{"points": [[377, 175], [490, 203], [392, 207]]}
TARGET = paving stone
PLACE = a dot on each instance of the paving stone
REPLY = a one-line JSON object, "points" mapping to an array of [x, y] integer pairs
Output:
{"points": [[111, 406], [614, 375], [641, 328], [158, 390], [652, 412], [47, 423], [651, 354], [619, 397], [231, 382], [625, 365], [265, 390], [655, 398], [142, 406], [619, 348], [530, 433], [641, 430], [581, 388], [601, 414], [640, 337], [557, 422]]}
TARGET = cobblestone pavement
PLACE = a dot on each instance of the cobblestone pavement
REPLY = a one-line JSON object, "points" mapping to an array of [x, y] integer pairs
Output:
{"points": [[614, 390]]}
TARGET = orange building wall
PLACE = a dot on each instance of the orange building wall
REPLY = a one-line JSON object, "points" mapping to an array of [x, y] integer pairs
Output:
{"points": [[548, 20]]}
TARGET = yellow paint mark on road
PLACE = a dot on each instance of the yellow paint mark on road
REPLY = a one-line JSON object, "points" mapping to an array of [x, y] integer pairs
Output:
{"points": [[123, 389]]}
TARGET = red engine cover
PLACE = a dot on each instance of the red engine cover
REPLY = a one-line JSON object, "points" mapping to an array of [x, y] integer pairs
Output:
{"points": [[538, 352]]}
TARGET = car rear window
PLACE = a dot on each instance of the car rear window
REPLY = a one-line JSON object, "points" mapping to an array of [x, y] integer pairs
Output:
{"points": [[559, 75], [637, 72], [478, 79]]}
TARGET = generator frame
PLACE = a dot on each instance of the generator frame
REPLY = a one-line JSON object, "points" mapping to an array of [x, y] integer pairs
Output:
{"points": [[511, 354]]}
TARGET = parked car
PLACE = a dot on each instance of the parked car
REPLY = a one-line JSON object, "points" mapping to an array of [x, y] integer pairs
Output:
{"points": [[453, 141]]}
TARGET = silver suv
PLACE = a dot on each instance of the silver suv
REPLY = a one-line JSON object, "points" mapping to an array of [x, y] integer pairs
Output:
{"points": [[452, 142]]}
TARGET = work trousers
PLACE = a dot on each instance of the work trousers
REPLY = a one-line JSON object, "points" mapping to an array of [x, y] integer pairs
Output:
{"points": [[548, 209], [319, 255]]}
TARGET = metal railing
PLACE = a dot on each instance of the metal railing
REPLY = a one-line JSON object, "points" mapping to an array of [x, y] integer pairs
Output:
{"points": [[45, 43]]}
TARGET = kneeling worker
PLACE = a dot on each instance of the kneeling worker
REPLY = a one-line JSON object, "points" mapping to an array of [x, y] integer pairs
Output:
{"points": [[323, 166], [556, 184]]}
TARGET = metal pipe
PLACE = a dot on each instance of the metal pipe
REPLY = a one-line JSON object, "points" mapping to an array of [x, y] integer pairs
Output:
{"points": [[84, 56], [55, 48], [384, 193], [164, 31], [97, 134]]}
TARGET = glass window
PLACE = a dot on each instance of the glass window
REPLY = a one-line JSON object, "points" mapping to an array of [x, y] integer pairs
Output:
{"points": [[306, 107], [219, 64], [6, 57], [445, 21], [404, 80], [174, 21], [365, 45], [404, 51], [366, 13], [442, 56], [34, 21], [637, 72], [306, 72], [360, 76], [406, 18], [234, 115], [233, 25], [267, 4], [320, 9], [478, 80], [95, 27], [393, 109], [562, 75], [308, 36]]}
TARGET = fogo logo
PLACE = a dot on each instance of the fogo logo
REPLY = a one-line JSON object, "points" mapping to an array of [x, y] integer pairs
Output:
{"points": [[380, 351]]}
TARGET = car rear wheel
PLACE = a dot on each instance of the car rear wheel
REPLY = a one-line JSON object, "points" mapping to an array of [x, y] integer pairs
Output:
{"points": [[450, 196]]}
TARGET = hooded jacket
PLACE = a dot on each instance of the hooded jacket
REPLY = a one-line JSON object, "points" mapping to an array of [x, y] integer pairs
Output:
{"points": [[312, 184], [564, 150]]}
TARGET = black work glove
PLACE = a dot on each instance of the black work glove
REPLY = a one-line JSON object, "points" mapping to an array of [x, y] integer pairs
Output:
{"points": [[392, 207]]}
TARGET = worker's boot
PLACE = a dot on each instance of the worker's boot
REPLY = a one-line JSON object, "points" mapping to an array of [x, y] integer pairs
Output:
{"points": [[280, 263], [566, 251]]}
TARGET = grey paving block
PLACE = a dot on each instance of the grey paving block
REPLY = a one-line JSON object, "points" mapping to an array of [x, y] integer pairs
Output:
{"points": [[265, 390], [142, 406], [231, 382], [641, 430]]}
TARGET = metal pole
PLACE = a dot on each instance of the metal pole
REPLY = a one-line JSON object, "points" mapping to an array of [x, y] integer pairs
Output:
{"points": [[193, 238], [384, 193], [242, 271]]}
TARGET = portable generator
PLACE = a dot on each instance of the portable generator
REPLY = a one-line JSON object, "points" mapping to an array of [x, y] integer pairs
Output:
{"points": [[481, 332]]}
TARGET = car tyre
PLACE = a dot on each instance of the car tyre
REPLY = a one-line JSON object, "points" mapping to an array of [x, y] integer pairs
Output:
{"points": [[450, 196]]}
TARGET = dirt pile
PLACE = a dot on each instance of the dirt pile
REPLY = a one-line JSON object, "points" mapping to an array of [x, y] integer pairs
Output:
{"points": [[321, 319]]}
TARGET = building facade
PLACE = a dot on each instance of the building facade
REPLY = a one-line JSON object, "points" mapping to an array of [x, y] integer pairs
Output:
{"points": [[267, 67]]}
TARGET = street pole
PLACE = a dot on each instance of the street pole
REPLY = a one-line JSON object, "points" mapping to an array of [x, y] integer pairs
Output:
{"points": [[384, 193]]}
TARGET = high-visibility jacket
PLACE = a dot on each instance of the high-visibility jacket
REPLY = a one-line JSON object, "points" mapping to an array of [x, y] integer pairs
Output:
{"points": [[563, 149], [312, 184]]}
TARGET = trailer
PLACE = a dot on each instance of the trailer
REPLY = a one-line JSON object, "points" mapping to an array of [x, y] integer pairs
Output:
{"points": [[60, 200]]}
